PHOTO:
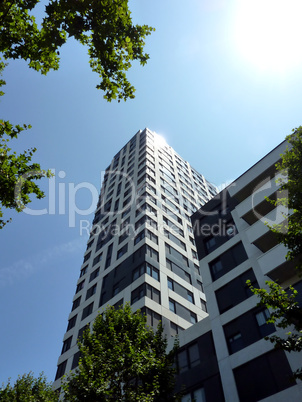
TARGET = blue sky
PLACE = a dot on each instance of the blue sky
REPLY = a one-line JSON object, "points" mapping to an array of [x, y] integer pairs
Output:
{"points": [[223, 87]]}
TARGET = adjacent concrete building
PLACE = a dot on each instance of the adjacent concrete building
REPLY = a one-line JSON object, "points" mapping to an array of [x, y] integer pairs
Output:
{"points": [[235, 244]]}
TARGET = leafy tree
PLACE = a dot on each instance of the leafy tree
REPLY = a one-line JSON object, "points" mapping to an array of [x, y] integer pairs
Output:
{"points": [[122, 359], [285, 311], [105, 27], [17, 172], [28, 388], [289, 232]]}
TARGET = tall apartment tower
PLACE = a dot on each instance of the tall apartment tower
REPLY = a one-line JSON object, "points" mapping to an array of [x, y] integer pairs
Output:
{"points": [[141, 248]]}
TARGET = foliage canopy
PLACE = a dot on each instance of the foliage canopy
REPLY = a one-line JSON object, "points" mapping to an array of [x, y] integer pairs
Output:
{"points": [[28, 388], [122, 360], [105, 27], [17, 172]]}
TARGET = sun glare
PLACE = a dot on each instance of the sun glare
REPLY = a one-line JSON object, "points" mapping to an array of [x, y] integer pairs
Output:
{"points": [[160, 140], [268, 33]]}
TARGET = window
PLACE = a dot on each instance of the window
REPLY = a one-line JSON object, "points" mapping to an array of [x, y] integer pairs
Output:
{"points": [[152, 253], [125, 223], [81, 331], [172, 251], [175, 329], [91, 291], [97, 259], [228, 261], [263, 376], [153, 293], [122, 251], [216, 267], [152, 271], [262, 316], [188, 358], [83, 271], [80, 286], [199, 285], [71, 322], [94, 274], [76, 303], [182, 360], [109, 254], [190, 296], [123, 237], [235, 342], [152, 236], [137, 294], [116, 289], [251, 325], [235, 291], [87, 256], [175, 239], [139, 237], [87, 311], [61, 370], [116, 205], [137, 272], [193, 317], [178, 270], [203, 305], [153, 318], [170, 283], [194, 254], [197, 396], [172, 306], [66, 345]]}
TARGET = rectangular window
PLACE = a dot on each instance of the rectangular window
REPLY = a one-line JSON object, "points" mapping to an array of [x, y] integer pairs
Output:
{"points": [[122, 251], [178, 270], [203, 305], [228, 261], [139, 237], [188, 358], [152, 271], [172, 306], [235, 291], [87, 256], [152, 253], [76, 303], [170, 283], [138, 271], [91, 291], [263, 377], [87, 311], [80, 286], [172, 251], [83, 271], [71, 322], [190, 296], [97, 259], [61, 370], [175, 240], [152, 236], [94, 274], [66, 345]]}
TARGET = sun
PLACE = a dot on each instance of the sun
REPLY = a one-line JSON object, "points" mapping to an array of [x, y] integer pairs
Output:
{"points": [[267, 33]]}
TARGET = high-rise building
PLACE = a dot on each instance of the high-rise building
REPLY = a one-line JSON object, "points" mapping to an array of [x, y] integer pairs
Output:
{"points": [[141, 248]]}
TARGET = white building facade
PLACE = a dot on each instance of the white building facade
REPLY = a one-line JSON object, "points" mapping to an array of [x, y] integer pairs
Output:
{"points": [[141, 248]]}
